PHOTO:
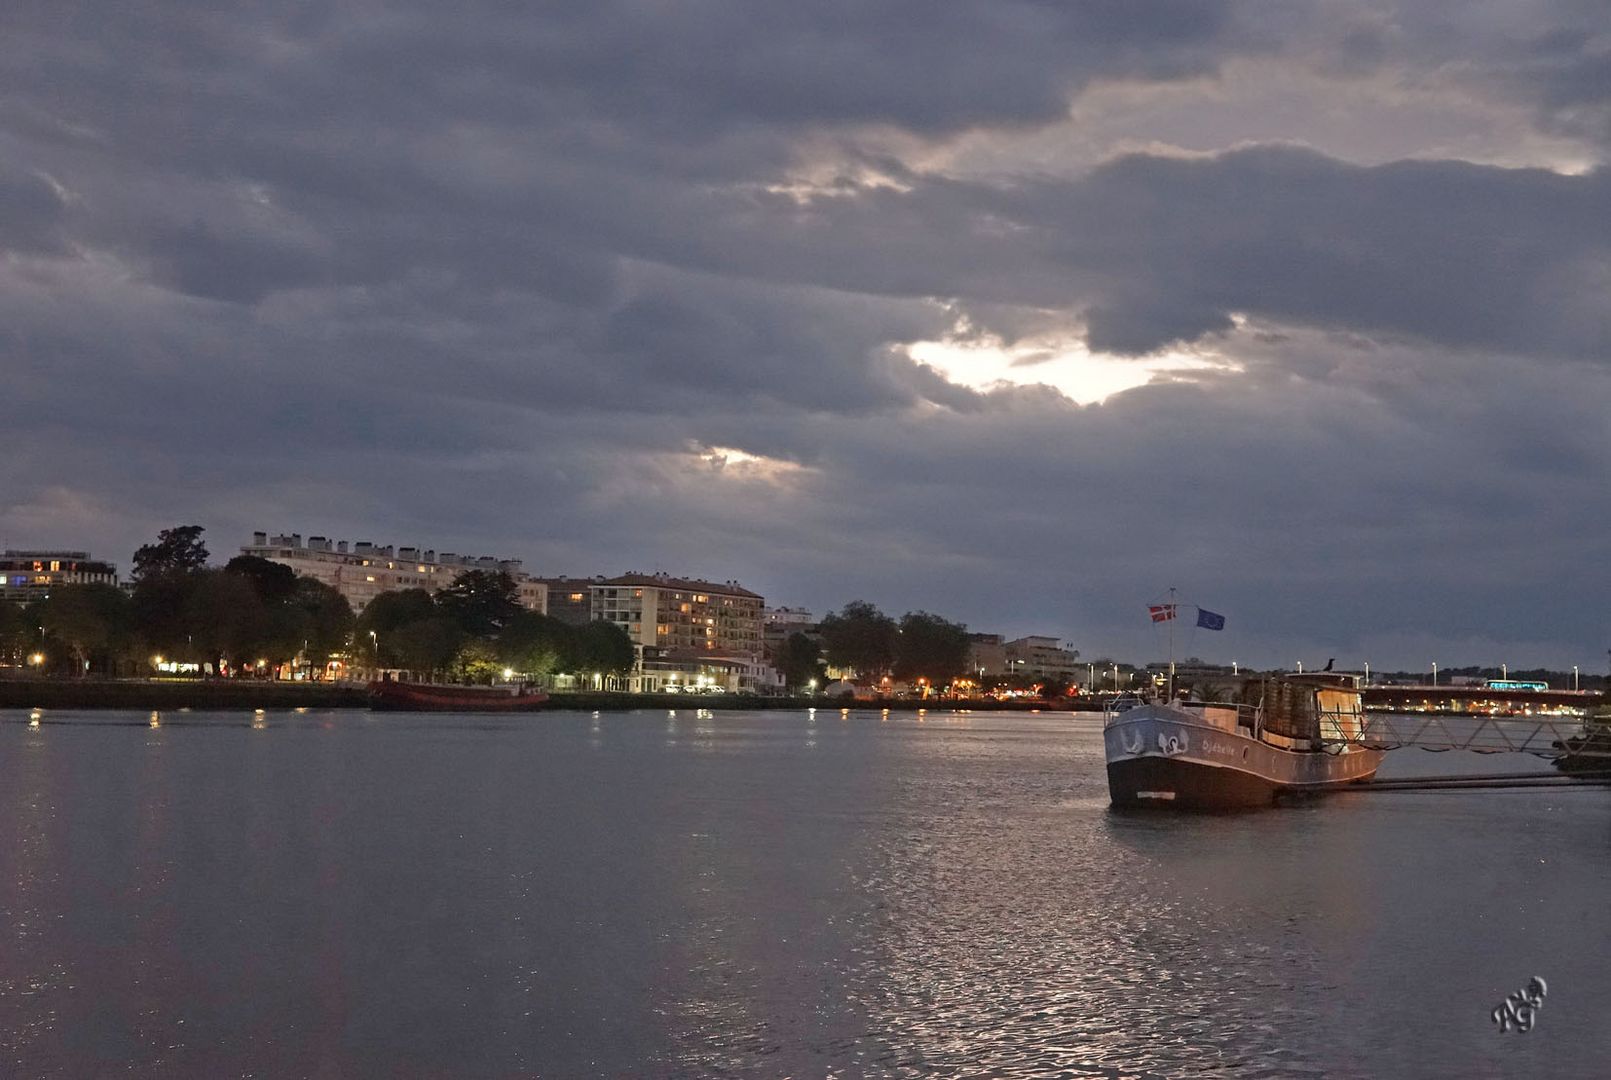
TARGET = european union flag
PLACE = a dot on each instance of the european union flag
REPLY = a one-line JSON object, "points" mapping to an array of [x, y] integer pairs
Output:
{"points": [[1209, 621]]}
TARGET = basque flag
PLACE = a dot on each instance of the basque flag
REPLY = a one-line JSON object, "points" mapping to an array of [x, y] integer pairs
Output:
{"points": [[1162, 612], [1210, 621]]}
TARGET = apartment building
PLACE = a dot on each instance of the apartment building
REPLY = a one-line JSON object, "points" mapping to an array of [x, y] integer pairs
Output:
{"points": [[26, 576], [1042, 656], [363, 570], [685, 629]]}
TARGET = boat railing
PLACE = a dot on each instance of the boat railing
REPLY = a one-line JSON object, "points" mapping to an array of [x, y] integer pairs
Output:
{"points": [[1250, 717]]}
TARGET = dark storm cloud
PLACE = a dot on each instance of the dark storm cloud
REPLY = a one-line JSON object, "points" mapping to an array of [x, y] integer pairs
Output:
{"points": [[509, 279]]}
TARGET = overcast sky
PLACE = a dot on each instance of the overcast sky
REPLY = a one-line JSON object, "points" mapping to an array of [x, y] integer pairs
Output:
{"points": [[1019, 311]]}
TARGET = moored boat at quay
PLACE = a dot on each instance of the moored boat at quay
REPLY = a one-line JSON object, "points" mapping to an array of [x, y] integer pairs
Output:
{"points": [[1286, 735], [391, 695]]}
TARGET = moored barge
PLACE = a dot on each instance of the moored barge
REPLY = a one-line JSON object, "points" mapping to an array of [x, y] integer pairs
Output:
{"points": [[1286, 735], [391, 695]]}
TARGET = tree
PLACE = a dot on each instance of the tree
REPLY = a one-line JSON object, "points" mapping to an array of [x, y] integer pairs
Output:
{"points": [[533, 643], [88, 621], [426, 647], [326, 619], [859, 637], [178, 550], [601, 647], [1053, 687], [930, 647], [16, 632], [225, 622], [477, 662], [482, 602], [273, 582], [391, 611], [799, 660]]}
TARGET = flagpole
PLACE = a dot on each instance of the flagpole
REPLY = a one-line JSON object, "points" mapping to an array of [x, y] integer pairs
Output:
{"points": [[1173, 611]]}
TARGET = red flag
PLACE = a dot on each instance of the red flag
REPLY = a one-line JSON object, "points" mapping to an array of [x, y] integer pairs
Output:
{"points": [[1162, 612]]}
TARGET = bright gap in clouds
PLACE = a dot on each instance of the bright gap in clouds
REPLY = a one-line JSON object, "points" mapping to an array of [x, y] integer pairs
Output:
{"points": [[1065, 365]]}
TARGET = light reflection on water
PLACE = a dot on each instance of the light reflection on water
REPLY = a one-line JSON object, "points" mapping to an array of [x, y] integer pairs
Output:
{"points": [[744, 894]]}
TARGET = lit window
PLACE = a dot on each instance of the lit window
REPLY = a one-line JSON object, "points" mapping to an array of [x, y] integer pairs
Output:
{"points": [[55, 565], [369, 577], [576, 598]]}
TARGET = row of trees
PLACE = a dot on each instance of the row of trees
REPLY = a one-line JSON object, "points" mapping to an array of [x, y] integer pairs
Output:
{"points": [[249, 614], [256, 615], [476, 629], [917, 647], [861, 638]]}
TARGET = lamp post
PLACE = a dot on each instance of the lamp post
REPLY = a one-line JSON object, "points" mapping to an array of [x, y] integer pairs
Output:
{"points": [[1574, 676], [1236, 669], [374, 640], [1367, 672], [1434, 673]]}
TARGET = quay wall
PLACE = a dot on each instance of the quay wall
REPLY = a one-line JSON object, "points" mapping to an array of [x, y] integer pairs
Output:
{"points": [[221, 694], [247, 694]]}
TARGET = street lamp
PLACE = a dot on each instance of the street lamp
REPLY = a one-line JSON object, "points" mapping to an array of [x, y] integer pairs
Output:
{"points": [[1367, 672], [1574, 676], [1434, 673]]}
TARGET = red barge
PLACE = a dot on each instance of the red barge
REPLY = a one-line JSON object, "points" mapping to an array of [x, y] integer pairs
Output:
{"points": [[389, 695]]}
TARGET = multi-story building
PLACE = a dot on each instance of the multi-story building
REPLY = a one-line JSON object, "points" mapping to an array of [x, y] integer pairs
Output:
{"points": [[778, 623], [1042, 656], [570, 600], [28, 575], [986, 655], [685, 627], [362, 571]]}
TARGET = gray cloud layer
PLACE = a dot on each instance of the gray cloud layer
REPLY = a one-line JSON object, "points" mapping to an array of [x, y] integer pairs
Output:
{"points": [[496, 280]]}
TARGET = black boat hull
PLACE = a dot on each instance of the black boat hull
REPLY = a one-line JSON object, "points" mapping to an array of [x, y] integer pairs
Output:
{"points": [[1163, 758]]}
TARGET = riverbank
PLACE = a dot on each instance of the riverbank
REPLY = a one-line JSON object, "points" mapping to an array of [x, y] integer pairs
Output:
{"points": [[250, 694]]}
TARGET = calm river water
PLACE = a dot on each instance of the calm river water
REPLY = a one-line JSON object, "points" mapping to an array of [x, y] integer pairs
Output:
{"points": [[760, 894]]}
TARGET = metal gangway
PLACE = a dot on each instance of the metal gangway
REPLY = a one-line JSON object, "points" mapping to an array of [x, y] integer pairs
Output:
{"points": [[1551, 736]]}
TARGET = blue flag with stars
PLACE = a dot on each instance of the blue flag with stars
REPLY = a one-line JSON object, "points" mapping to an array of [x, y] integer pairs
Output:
{"points": [[1210, 621]]}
